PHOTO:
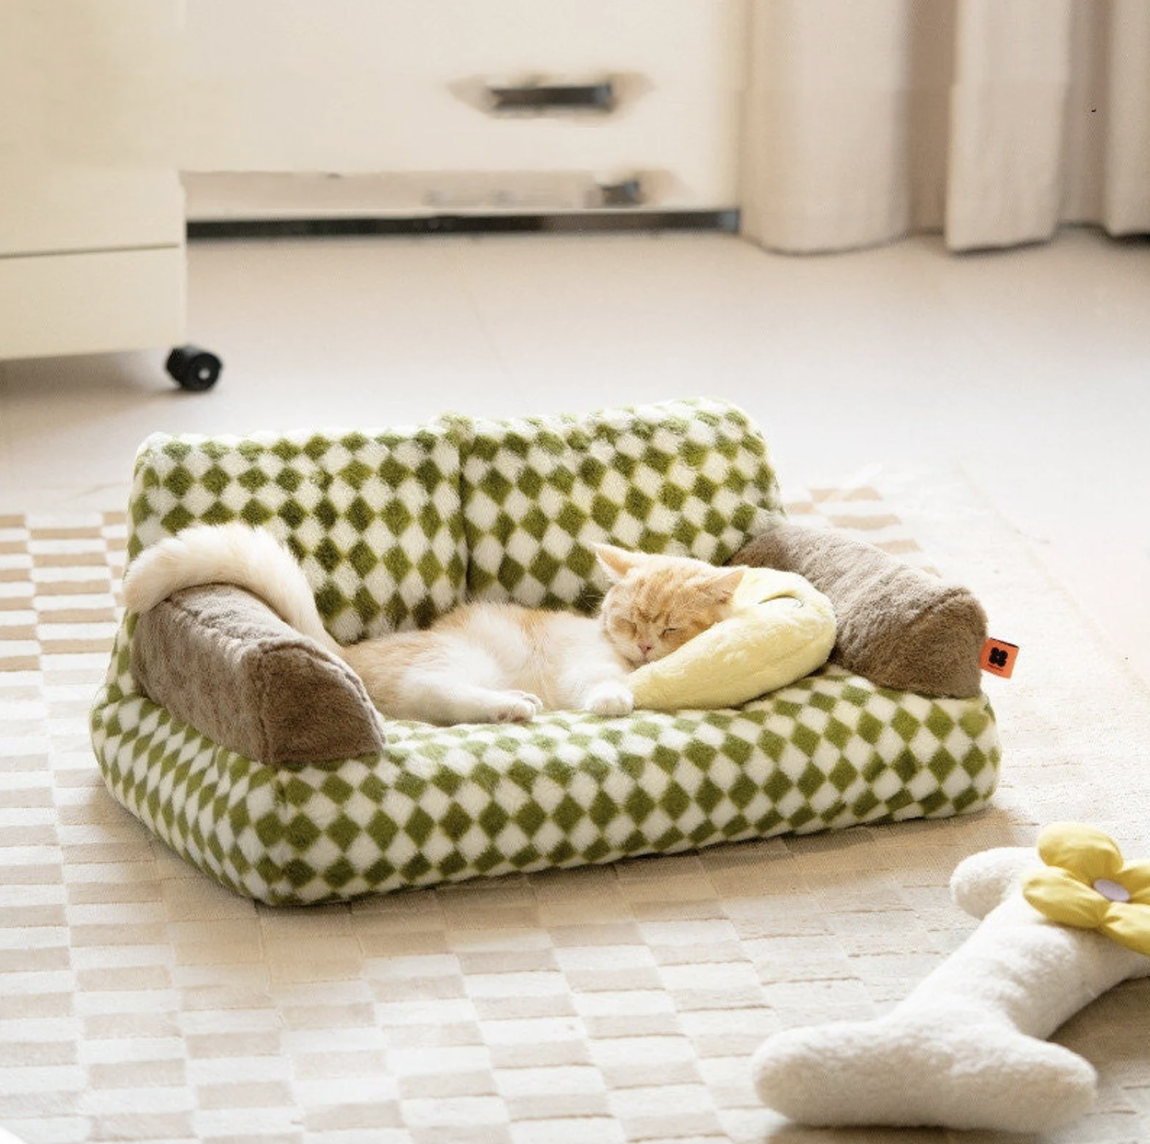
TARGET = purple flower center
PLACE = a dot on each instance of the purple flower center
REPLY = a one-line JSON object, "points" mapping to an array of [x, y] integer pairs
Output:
{"points": [[1112, 890]]}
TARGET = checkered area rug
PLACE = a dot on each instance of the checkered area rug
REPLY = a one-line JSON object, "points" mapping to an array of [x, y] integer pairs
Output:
{"points": [[140, 1001]]}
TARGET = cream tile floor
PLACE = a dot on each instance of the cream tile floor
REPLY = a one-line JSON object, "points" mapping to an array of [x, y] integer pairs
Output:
{"points": [[1028, 371]]}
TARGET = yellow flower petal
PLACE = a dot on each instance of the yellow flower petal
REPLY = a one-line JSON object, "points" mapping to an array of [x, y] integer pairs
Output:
{"points": [[1085, 851], [1135, 876], [1129, 925], [1063, 898]]}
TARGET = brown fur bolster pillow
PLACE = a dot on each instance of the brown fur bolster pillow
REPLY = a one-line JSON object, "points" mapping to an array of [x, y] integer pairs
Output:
{"points": [[897, 625], [222, 661]]}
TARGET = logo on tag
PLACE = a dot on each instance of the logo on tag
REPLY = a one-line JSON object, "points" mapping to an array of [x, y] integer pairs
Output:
{"points": [[998, 657]]}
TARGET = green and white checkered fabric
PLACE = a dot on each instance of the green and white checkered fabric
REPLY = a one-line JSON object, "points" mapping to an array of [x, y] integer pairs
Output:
{"points": [[446, 804], [375, 519], [688, 477], [393, 528]]}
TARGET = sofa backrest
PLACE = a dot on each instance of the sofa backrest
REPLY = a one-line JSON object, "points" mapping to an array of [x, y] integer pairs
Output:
{"points": [[689, 477], [374, 518], [395, 528]]}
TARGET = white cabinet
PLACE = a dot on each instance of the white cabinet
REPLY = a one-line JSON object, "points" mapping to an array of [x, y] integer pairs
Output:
{"points": [[91, 208], [395, 96], [103, 101]]}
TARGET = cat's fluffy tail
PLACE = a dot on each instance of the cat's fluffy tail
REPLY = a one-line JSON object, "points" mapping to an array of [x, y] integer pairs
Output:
{"points": [[250, 558]]}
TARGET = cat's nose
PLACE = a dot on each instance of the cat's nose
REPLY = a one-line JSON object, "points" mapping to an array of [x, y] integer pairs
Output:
{"points": [[645, 648]]}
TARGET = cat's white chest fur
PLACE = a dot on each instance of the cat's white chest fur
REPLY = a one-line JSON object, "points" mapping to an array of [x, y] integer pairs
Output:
{"points": [[495, 663], [513, 647], [553, 655]]}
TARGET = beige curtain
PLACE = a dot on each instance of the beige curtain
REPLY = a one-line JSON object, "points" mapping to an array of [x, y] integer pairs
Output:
{"points": [[990, 120]]}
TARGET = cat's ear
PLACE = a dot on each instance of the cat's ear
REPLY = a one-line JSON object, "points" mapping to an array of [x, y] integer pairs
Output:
{"points": [[617, 561], [721, 588]]}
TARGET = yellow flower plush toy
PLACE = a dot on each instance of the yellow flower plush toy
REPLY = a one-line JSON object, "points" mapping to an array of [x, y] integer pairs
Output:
{"points": [[1087, 884]]}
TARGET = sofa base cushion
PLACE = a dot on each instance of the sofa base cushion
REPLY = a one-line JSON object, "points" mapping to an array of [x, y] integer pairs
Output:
{"points": [[446, 804]]}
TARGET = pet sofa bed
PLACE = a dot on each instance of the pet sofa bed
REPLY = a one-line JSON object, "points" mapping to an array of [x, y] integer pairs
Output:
{"points": [[295, 793]]}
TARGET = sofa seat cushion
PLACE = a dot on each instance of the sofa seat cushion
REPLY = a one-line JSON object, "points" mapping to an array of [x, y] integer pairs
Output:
{"points": [[447, 804]]}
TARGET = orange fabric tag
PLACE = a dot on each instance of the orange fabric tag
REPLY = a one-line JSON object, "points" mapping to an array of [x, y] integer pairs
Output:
{"points": [[998, 657]]}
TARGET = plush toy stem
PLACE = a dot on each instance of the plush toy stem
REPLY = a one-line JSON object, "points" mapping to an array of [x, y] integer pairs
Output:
{"points": [[966, 1048]]}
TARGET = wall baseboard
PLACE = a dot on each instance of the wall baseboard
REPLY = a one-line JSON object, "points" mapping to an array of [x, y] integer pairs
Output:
{"points": [[724, 221]]}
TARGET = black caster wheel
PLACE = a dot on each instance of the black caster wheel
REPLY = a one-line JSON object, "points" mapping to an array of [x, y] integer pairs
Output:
{"points": [[194, 368]]}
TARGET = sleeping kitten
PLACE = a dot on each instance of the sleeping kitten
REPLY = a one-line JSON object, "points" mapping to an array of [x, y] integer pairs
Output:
{"points": [[481, 662]]}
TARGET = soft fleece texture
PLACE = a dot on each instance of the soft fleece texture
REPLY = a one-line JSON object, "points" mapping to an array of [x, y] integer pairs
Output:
{"points": [[224, 662], [966, 1049], [897, 625], [887, 621], [392, 527], [781, 629]]}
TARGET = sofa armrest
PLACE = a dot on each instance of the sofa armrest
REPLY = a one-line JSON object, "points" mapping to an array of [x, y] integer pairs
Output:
{"points": [[897, 625], [222, 661]]}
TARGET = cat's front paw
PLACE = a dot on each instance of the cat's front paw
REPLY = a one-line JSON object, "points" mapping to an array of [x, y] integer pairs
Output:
{"points": [[610, 698], [516, 707]]}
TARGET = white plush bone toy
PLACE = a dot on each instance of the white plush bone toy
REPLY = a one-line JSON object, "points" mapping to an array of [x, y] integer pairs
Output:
{"points": [[967, 1048]]}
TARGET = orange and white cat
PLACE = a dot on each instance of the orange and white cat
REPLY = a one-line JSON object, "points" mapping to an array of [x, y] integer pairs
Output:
{"points": [[481, 662]]}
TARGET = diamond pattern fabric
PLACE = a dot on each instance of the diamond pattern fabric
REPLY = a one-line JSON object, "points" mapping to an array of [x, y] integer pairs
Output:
{"points": [[446, 804], [375, 520], [691, 478]]}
